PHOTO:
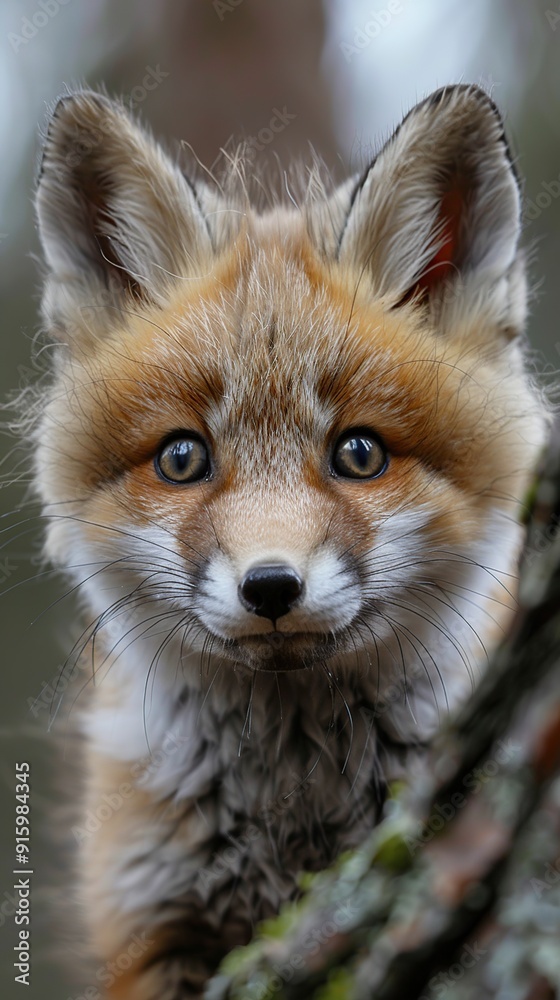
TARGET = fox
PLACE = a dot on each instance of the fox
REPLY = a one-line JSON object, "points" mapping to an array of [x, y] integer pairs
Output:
{"points": [[282, 457]]}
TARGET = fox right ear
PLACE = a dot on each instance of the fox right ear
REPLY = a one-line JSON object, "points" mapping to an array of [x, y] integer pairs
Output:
{"points": [[118, 221], [436, 217]]}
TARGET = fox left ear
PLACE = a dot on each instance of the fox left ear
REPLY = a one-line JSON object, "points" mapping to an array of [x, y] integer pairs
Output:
{"points": [[436, 217], [118, 222]]}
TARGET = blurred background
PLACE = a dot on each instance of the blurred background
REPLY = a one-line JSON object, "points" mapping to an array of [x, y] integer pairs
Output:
{"points": [[338, 75]]}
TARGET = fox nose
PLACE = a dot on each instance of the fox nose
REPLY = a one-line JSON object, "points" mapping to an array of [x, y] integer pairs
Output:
{"points": [[270, 590]]}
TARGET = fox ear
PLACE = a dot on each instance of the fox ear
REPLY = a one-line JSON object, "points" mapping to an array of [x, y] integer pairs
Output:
{"points": [[117, 220], [436, 218]]}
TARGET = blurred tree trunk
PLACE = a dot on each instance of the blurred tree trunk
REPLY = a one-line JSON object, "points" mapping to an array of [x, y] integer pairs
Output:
{"points": [[234, 67], [450, 896]]}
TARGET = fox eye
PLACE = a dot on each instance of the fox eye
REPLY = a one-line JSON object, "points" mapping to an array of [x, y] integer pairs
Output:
{"points": [[359, 455], [184, 459]]}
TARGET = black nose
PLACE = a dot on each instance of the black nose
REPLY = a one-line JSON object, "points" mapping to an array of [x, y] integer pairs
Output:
{"points": [[270, 591]]}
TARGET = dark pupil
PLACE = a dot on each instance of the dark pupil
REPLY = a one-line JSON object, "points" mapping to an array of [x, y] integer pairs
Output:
{"points": [[181, 455], [360, 449]]}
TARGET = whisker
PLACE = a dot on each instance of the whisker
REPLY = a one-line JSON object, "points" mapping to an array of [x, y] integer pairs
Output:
{"points": [[247, 722], [348, 712]]}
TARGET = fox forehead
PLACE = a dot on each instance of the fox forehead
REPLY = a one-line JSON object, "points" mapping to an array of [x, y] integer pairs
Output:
{"points": [[270, 358], [273, 342]]}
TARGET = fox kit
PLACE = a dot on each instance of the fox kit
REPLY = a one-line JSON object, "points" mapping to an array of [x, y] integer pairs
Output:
{"points": [[282, 458]]}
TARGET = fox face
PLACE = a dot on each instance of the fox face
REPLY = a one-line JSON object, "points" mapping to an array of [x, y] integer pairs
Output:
{"points": [[282, 457], [297, 439]]}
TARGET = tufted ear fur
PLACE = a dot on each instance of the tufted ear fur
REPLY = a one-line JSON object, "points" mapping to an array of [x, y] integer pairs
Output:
{"points": [[118, 221], [436, 217]]}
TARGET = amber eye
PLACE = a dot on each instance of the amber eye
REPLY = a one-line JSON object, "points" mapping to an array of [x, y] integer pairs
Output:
{"points": [[184, 459], [359, 455]]}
